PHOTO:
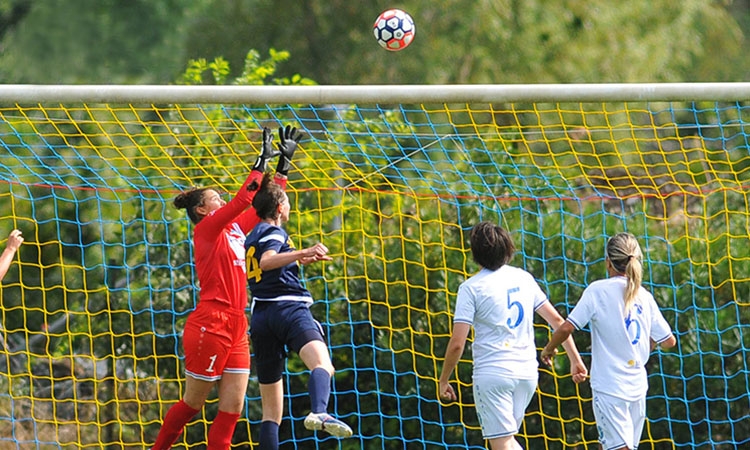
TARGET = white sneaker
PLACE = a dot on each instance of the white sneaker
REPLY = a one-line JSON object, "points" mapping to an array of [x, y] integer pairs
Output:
{"points": [[327, 423]]}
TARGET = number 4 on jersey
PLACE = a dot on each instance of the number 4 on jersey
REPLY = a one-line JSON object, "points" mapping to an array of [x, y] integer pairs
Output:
{"points": [[252, 265]]}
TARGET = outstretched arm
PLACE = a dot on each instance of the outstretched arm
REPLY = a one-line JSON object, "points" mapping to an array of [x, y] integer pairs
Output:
{"points": [[288, 143], [270, 259], [561, 334], [14, 242], [452, 355]]}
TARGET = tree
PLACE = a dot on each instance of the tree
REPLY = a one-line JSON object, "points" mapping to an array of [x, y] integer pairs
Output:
{"points": [[487, 41], [457, 41], [91, 41]]}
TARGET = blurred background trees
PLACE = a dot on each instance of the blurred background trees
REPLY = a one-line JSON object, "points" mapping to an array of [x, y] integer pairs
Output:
{"points": [[330, 41]]}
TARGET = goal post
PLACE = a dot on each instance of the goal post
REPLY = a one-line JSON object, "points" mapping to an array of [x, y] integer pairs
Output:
{"points": [[375, 94], [391, 179]]}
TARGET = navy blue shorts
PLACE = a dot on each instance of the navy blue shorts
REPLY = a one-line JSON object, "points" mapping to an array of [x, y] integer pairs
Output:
{"points": [[276, 327]]}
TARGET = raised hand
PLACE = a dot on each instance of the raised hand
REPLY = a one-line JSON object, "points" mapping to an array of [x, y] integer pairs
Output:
{"points": [[267, 151], [289, 138]]}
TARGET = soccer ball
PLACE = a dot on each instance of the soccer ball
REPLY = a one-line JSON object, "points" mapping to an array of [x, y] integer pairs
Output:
{"points": [[394, 29]]}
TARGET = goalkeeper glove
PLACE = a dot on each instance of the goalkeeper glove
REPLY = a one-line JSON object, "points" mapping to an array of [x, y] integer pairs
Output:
{"points": [[267, 151], [289, 137]]}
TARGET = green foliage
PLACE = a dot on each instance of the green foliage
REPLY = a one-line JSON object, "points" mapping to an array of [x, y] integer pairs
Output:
{"points": [[255, 71], [393, 291], [89, 41], [195, 71], [457, 41], [487, 41]]}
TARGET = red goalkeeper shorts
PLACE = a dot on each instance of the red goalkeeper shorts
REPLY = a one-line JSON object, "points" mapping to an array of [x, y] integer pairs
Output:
{"points": [[215, 341]]}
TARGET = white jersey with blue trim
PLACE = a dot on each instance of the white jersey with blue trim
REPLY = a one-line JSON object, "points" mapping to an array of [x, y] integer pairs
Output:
{"points": [[500, 306], [620, 342]]}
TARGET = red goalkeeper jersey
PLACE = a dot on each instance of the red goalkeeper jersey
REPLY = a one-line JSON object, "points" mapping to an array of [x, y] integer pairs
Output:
{"points": [[219, 245]]}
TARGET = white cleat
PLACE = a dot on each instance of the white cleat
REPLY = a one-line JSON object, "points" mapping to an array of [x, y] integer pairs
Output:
{"points": [[327, 423]]}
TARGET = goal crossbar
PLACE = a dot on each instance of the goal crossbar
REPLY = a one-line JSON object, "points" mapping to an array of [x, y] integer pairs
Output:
{"points": [[374, 94]]}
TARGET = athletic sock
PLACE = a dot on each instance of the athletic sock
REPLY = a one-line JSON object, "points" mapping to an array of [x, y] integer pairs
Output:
{"points": [[319, 386], [221, 431], [174, 422], [269, 436]]}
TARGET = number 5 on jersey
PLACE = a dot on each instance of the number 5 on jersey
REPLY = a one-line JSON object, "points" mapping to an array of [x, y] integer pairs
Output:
{"points": [[514, 304]]}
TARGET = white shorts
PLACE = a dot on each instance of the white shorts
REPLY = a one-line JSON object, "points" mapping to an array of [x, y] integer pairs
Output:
{"points": [[501, 404], [620, 422]]}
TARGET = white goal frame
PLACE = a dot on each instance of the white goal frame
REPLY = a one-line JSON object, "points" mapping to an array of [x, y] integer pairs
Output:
{"points": [[374, 94]]}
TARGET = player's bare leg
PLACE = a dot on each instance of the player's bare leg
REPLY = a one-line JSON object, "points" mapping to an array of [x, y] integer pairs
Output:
{"points": [[505, 443]]}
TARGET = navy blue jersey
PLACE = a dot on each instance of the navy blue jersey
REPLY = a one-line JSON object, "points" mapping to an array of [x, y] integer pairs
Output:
{"points": [[277, 284]]}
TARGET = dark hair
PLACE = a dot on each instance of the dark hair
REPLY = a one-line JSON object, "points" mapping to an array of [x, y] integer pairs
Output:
{"points": [[268, 198], [491, 245], [189, 200], [625, 256]]}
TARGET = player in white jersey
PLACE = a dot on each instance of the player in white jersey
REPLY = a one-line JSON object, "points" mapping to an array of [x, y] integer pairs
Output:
{"points": [[499, 302], [626, 325]]}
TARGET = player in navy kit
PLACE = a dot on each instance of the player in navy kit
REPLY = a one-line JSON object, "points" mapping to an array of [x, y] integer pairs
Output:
{"points": [[217, 350], [281, 318], [626, 325]]}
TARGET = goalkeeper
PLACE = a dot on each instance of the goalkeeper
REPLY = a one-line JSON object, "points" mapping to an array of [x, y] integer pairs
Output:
{"points": [[215, 342]]}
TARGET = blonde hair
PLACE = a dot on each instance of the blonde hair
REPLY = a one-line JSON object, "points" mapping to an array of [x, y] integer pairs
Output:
{"points": [[625, 256]]}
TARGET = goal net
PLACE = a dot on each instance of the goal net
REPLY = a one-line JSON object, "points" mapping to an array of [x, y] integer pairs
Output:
{"points": [[391, 179]]}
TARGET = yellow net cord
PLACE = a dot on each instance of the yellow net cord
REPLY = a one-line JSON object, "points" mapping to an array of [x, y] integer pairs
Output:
{"points": [[93, 305]]}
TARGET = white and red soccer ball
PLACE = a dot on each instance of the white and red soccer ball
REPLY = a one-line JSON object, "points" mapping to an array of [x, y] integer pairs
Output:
{"points": [[394, 29]]}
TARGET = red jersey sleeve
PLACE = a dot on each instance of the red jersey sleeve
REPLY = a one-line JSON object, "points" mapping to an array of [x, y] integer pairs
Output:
{"points": [[248, 219], [220, 250], [233, 210]]}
